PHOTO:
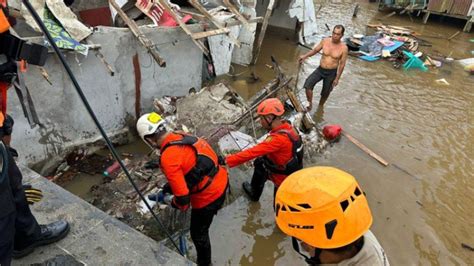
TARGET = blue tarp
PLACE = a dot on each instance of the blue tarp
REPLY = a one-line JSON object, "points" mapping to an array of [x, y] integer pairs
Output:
{"points": [[390, 48]]}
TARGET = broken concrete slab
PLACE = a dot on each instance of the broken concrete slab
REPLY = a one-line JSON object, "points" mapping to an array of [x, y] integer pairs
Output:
{"points": [[95, 238], [206, 111]]}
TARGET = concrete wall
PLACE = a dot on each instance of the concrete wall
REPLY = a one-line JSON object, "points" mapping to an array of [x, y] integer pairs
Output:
{"points": [[66, 123], [280, 17]]}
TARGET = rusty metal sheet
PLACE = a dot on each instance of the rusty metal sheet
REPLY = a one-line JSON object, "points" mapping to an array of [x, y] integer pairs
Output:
{"points": [[442, 6], [461, 7]]}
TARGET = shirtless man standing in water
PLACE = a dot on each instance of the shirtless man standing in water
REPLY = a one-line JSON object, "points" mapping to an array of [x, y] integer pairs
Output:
{"points": [[331, 66]]}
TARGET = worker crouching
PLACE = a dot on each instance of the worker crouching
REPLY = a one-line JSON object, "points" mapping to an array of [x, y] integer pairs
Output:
{"points": [[278, 156], [194, 177]]}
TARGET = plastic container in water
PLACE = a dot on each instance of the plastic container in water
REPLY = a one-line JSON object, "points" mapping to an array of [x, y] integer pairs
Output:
{"points": [[113, 169]]}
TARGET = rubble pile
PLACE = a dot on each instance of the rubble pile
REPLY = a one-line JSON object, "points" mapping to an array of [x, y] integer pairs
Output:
{"points": [[399, 45]]}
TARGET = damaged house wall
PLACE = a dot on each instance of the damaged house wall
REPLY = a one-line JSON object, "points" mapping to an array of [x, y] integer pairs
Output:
{"points": [[66, 123], [280, 17]]}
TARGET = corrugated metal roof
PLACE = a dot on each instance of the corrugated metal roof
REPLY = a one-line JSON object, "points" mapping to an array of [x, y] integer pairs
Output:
{"points": [[461, 7], [440, 5]]}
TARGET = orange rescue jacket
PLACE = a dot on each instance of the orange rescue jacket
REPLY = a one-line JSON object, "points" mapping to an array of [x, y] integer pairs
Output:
{"points": [[191, 167], [278, 148]]}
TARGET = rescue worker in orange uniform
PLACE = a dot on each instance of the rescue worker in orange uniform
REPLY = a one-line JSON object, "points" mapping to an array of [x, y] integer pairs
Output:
{"points": [[20, 232], [326, 210], [195, 178], [279, 155]]}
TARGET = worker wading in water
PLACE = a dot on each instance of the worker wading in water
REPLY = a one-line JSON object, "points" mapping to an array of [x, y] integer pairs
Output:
{"points": [[194, 176], [279, 155], [326, 212]]}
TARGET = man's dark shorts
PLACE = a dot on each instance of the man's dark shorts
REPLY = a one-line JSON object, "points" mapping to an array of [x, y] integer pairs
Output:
{"points": [[327, 75]]}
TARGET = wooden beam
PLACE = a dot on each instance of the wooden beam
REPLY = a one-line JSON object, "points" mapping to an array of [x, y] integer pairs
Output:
{"points": [[365, 149], [166, 6], [468, 26], [250, 21], [149, 46], [205, 34], [454, 35], [307, 120], [216, 23], [194, 15], [254, 106], [236, 12], [425, 17], [261, 35]]}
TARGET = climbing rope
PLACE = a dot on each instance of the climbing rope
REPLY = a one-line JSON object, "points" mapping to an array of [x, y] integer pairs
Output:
{"points": [[96, 121]]}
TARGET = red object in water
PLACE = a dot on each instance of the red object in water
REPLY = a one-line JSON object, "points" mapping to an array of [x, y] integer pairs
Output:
{"points": [[112, 169], [332, 132]]}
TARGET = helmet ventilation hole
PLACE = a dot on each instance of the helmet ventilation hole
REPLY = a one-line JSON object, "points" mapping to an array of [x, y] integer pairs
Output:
{"points": [[357, 192], [305, 205], [293, 209], [344, 205], [330, 226]]}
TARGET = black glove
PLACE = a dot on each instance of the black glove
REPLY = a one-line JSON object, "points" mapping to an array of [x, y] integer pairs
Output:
{"points": [[167, 188], [32, 194], [152, 164], [221, 160]]}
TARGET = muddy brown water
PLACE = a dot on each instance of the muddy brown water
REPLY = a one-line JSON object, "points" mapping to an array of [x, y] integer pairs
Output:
{"points": [[422, 127], [423, 202]]}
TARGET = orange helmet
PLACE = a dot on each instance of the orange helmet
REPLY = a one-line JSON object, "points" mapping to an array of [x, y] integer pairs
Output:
{"points": [[271, 106], [322, 206]]}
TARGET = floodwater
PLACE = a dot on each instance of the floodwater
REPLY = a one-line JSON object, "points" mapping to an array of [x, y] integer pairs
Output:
{"points": [[423, 202]]}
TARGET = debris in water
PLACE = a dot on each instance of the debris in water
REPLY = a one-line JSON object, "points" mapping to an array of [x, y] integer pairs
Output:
{"points": [[466, 246], [442, 82]]}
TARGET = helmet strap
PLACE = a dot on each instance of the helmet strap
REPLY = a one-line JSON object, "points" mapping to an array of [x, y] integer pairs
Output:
{"points": [[271, 121], [310, 260]]}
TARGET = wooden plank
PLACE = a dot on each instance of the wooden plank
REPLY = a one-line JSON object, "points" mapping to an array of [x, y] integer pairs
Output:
{"points": [[307, 120], [250, 21], [101, 57], [387, 16], [194, 15], [196, 4], [149, 46], [236, 12], [166, 6], [468, 26], [205, 34], [138, 82], [365, 149], [253, 107], [263, 30], [425, 17], [454, 35]]}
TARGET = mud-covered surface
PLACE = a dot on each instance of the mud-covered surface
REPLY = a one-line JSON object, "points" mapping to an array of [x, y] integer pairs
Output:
{"points": [[421, 202], [209, 112]]}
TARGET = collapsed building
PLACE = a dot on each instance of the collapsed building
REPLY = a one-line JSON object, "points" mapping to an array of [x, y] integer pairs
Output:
{"points": [[119, 68]]}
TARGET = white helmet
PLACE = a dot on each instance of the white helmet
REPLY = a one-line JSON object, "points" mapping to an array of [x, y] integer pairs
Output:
{"points": [[149, 124]]}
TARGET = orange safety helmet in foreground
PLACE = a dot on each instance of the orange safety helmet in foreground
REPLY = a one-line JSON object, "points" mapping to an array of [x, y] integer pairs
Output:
{"points": [[322, 206], [271, 106]]}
